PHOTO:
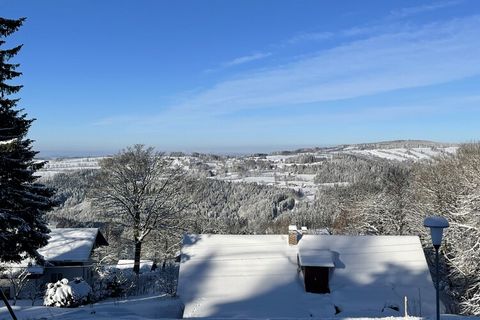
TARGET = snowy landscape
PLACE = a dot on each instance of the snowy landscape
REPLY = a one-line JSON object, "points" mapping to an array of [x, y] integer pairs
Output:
{"points": [[298, 172], [240, 159], [301, 173], [280, 167]]}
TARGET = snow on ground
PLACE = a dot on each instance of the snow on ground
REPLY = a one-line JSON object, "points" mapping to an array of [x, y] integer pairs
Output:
{"points": [[404, 154], [128, 264], [148, 307], [143, 308], [53, 167], [280, 158], [303, 182]]}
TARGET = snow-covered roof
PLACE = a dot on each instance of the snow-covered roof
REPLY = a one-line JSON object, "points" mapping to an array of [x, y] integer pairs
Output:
{"points": [[71, 244], [36, 269], [316, 258], [257, 276], [145, 265]]}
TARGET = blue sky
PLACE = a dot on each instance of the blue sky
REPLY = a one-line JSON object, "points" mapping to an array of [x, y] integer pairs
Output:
{"points": [[239, 76]]}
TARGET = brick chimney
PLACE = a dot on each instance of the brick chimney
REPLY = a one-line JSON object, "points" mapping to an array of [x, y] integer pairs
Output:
{"points": [[293, 235]]}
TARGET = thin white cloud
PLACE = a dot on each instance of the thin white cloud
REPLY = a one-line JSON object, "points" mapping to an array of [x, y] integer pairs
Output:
{"points": [[411, 11], [410, 57], [246, 59], [433, 54], [312, 36]]}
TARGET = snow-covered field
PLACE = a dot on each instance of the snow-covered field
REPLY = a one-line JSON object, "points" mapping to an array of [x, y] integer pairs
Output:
{"points": [[53, 167], [140, 308], [147, 307], [59, 165], [405, 154], [282, 167]]}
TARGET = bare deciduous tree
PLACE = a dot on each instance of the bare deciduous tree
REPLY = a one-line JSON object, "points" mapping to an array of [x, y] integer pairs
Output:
{"points": [[141, 189], [18, 278], [450, 187]]}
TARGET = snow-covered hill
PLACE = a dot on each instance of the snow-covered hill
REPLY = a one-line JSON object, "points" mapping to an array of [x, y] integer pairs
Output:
{"points": [[52, 167], [404, 154], [280, 169]]}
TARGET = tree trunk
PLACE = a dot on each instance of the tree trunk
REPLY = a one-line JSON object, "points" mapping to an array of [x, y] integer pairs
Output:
{"points": [[138, 250]]}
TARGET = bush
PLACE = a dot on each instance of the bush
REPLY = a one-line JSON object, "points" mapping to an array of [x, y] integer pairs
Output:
{"points": [[67, 294], [113, 282]]}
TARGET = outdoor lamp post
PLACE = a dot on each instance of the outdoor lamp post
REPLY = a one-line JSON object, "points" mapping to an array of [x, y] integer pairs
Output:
{"points": [[436, 225]]}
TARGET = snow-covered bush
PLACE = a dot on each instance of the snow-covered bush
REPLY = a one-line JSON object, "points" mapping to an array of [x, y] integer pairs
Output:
{"points": [[66, 293]]}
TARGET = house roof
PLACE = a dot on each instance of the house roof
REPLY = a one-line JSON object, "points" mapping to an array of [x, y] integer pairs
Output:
{"points": [[145, 265], [316, 258], [257, 276], [72, 244]]}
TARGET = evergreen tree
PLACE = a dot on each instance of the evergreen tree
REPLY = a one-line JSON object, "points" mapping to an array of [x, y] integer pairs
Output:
{"points": [[23, 201]]}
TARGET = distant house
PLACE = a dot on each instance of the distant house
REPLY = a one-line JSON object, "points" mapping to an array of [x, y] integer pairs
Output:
{"points": [[145, 265], [68, 254], [302, 276]]}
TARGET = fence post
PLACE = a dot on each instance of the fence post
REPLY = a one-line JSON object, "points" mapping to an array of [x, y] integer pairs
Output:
{"points": [[8, 305]]}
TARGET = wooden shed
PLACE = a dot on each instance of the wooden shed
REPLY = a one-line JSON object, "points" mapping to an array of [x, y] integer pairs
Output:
{"points": [[316, 267]]}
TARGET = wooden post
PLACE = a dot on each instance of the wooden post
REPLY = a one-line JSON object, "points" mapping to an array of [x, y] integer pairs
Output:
{"points": [[406, 307], [8, 305]]}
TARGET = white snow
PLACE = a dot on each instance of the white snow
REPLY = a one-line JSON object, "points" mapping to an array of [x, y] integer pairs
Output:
{"points": [[316, 258], [66, 293], [14, 268], [69, 244], [138, 308], [145, 265], [254, 276], [405, 154], [53, 167], [8, 141]]}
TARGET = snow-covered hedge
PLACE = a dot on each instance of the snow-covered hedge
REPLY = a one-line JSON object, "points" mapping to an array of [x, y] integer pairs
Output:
{"points": [[113, 282], [66, 293]]}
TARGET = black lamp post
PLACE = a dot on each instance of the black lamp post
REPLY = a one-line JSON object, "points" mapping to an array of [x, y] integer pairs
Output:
{"points": [[436, 225]]}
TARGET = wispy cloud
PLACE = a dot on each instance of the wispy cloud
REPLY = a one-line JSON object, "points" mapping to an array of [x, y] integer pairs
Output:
{"points": [[246, 59], [309, 36], [423, 55], [411, 11], [433, 54]]}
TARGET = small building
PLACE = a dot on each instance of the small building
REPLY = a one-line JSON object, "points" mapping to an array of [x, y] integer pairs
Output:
{"points": [[316, 267], [68, 254], [145, 265], [304, 275]]}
